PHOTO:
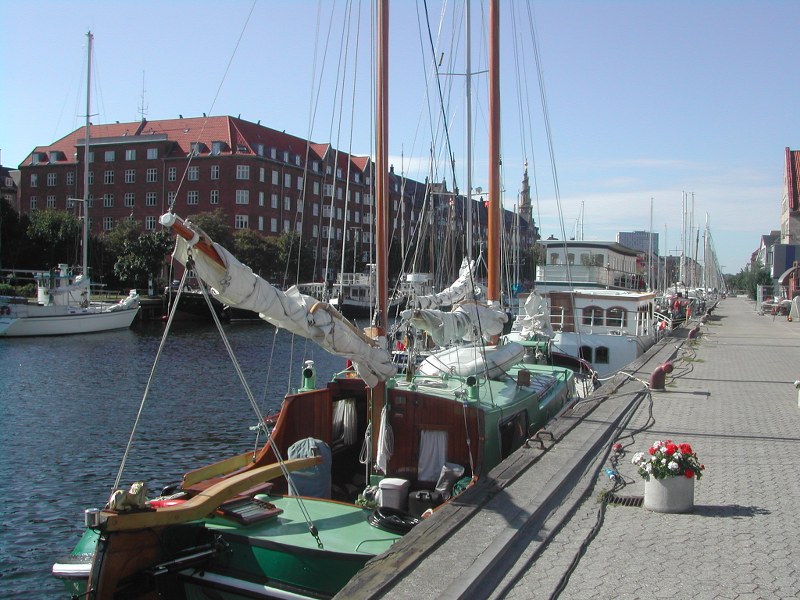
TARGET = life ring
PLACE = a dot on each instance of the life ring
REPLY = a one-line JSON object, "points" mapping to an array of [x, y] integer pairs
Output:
{"points": [[392, 520]]}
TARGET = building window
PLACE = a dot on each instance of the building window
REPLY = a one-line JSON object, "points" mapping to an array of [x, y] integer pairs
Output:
{"points": [[152, 175], [286, 226], [34, 180], [108, 223], [172, 174], [273, 225], [287, 203], [315, 209], [274, 178], [287, 180], [108, 177], [593, 315], [32, 203], [192, 197], [193, 174], [274, 201], [90, 202], [314, 231], [130, 154], [243, 172], [70, 202], [171, 197], [52, 179], [214, 172], [616, 317], [51, 201], [261, 174], [150, 199], [327, 190], [260, 223], [242, 196], [152, 153], [150, 222], [130, 199], [299, 205], [315, 188], [108, 200], [261, 198], [214, 197], [357, 217], [358, 197], [70, 178], [298, 226], [110, 155], [241, 222], [130, 176], [299, 183], [315, 166]]}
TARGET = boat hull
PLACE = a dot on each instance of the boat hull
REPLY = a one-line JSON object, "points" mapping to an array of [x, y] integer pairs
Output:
{"points": [[28, 321]]}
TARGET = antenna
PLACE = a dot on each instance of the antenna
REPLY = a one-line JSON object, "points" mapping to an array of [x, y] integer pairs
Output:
{"points": [[143, 107]]}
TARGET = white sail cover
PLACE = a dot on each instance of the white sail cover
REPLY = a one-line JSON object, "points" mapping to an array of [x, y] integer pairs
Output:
{"points": [[466, 322], [237, 286], [536, 320], [456, 292]]}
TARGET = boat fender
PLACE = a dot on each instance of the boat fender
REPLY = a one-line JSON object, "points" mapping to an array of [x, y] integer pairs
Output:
{"points": [[392, 520]]}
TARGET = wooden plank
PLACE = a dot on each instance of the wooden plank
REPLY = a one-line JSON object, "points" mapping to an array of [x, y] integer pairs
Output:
{"points": [[205, 502]]}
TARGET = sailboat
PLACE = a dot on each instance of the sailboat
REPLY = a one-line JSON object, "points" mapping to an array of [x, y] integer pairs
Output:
{"points": [[64, 304], [347, 469]]}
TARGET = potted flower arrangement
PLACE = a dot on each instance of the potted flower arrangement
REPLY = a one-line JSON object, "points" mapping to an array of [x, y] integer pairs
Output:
{"points": [[669, 471]]}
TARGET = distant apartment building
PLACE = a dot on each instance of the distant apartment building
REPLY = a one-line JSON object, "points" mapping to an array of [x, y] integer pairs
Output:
{"points": [[639, 240], [262, 179]]}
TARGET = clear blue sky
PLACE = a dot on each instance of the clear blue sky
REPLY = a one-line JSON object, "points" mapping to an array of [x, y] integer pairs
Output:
{"points": [[645, 99]]}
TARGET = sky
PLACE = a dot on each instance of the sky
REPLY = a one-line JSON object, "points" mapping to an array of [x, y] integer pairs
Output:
{"points": [[630, 114]]}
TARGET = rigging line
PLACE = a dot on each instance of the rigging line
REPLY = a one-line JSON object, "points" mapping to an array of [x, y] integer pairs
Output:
{"points": [[237, 367], [167, 327]]}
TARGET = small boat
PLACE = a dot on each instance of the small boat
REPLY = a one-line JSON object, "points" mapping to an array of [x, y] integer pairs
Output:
{"points": [[64, 305], [354, 294]]}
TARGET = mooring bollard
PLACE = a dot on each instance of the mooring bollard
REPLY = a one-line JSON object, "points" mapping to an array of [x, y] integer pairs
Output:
{"points": [[658, 379], [797, 386]]}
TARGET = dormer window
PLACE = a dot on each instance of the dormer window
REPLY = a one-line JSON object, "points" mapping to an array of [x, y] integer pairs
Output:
{"points": [[285, 156], [260, 149], [216, 147], [242, 148]]}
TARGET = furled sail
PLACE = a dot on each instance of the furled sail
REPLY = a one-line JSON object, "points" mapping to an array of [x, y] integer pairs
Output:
{"points": [[456, 292], [467, 322], [536, 320], [235, 284]]}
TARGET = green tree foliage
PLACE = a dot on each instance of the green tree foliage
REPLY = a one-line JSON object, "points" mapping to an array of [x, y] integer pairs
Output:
{"points": [[295, 260], [215, 224], [748, 280], [143, 257], [58, 232], [16, 250], [256, 251]]}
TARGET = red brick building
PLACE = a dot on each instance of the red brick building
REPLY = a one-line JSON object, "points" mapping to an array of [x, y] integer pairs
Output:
{"points": [[261, 178]]}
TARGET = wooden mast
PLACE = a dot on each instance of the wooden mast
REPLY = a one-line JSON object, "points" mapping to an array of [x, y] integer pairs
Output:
{"points": [[495, 212], [381, 166]]}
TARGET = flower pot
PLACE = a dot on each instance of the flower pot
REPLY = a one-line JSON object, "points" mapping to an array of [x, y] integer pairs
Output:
{"points": [[669, 495]]}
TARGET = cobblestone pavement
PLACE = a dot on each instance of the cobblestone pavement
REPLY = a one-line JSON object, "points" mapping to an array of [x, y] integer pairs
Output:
{"points": [[732, 397]]}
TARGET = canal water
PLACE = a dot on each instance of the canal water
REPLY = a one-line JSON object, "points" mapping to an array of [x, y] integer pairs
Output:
{"points": [[69, 405]]}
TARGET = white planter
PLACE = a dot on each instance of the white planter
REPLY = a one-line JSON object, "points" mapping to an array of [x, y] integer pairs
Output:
{"points": [[670, 495]]}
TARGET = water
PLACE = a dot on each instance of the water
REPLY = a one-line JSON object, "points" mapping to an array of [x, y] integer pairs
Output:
{"points": [[69, 405]]}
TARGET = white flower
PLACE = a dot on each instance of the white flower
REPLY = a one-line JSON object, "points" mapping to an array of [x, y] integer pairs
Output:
{"points": [[638, 458], [658, 444], [663, 461], [673, 466], [649, 467]]}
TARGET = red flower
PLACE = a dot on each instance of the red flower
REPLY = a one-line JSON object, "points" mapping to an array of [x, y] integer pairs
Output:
{"points": [[685, 449], [652, 450], [671, 449], [688, 473]]}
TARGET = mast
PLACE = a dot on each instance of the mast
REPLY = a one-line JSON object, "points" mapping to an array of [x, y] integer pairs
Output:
{"points": [[85, 265], [469, 130], [381, 165], [493, 221]]}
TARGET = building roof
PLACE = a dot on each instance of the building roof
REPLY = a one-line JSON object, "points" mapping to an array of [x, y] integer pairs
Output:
{"points": [[616, 247], [237, 136]]}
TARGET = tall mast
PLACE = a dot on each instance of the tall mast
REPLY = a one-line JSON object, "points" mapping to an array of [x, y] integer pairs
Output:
{"points": [[90, 37], [469, 129], [493, 222], [381, 165]]}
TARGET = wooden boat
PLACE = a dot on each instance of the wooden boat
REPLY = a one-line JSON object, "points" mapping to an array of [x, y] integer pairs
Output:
{"points": [[363, 450]]}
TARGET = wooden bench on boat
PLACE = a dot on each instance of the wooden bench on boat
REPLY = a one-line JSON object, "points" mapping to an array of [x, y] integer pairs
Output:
{"points": [[205, 502]]}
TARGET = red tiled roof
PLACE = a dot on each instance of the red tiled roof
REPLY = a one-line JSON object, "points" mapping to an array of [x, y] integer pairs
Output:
{"points": [[234, 132]]}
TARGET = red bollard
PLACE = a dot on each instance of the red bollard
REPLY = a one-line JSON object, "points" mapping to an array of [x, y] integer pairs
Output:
{"points": [[659, 377]]}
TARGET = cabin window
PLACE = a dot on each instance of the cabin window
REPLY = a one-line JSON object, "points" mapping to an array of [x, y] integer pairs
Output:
{"points": [[571, 258], [616, 317], [601, 355], [513, 433], [554, 258], [593, 315], [345, 422], [586, 353]]}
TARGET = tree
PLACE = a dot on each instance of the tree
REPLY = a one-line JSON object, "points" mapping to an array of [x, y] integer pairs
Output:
{"points": [[255, 251], [749, 279], [58, 234], [215, 224], [142, 258], [296, 259]]}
